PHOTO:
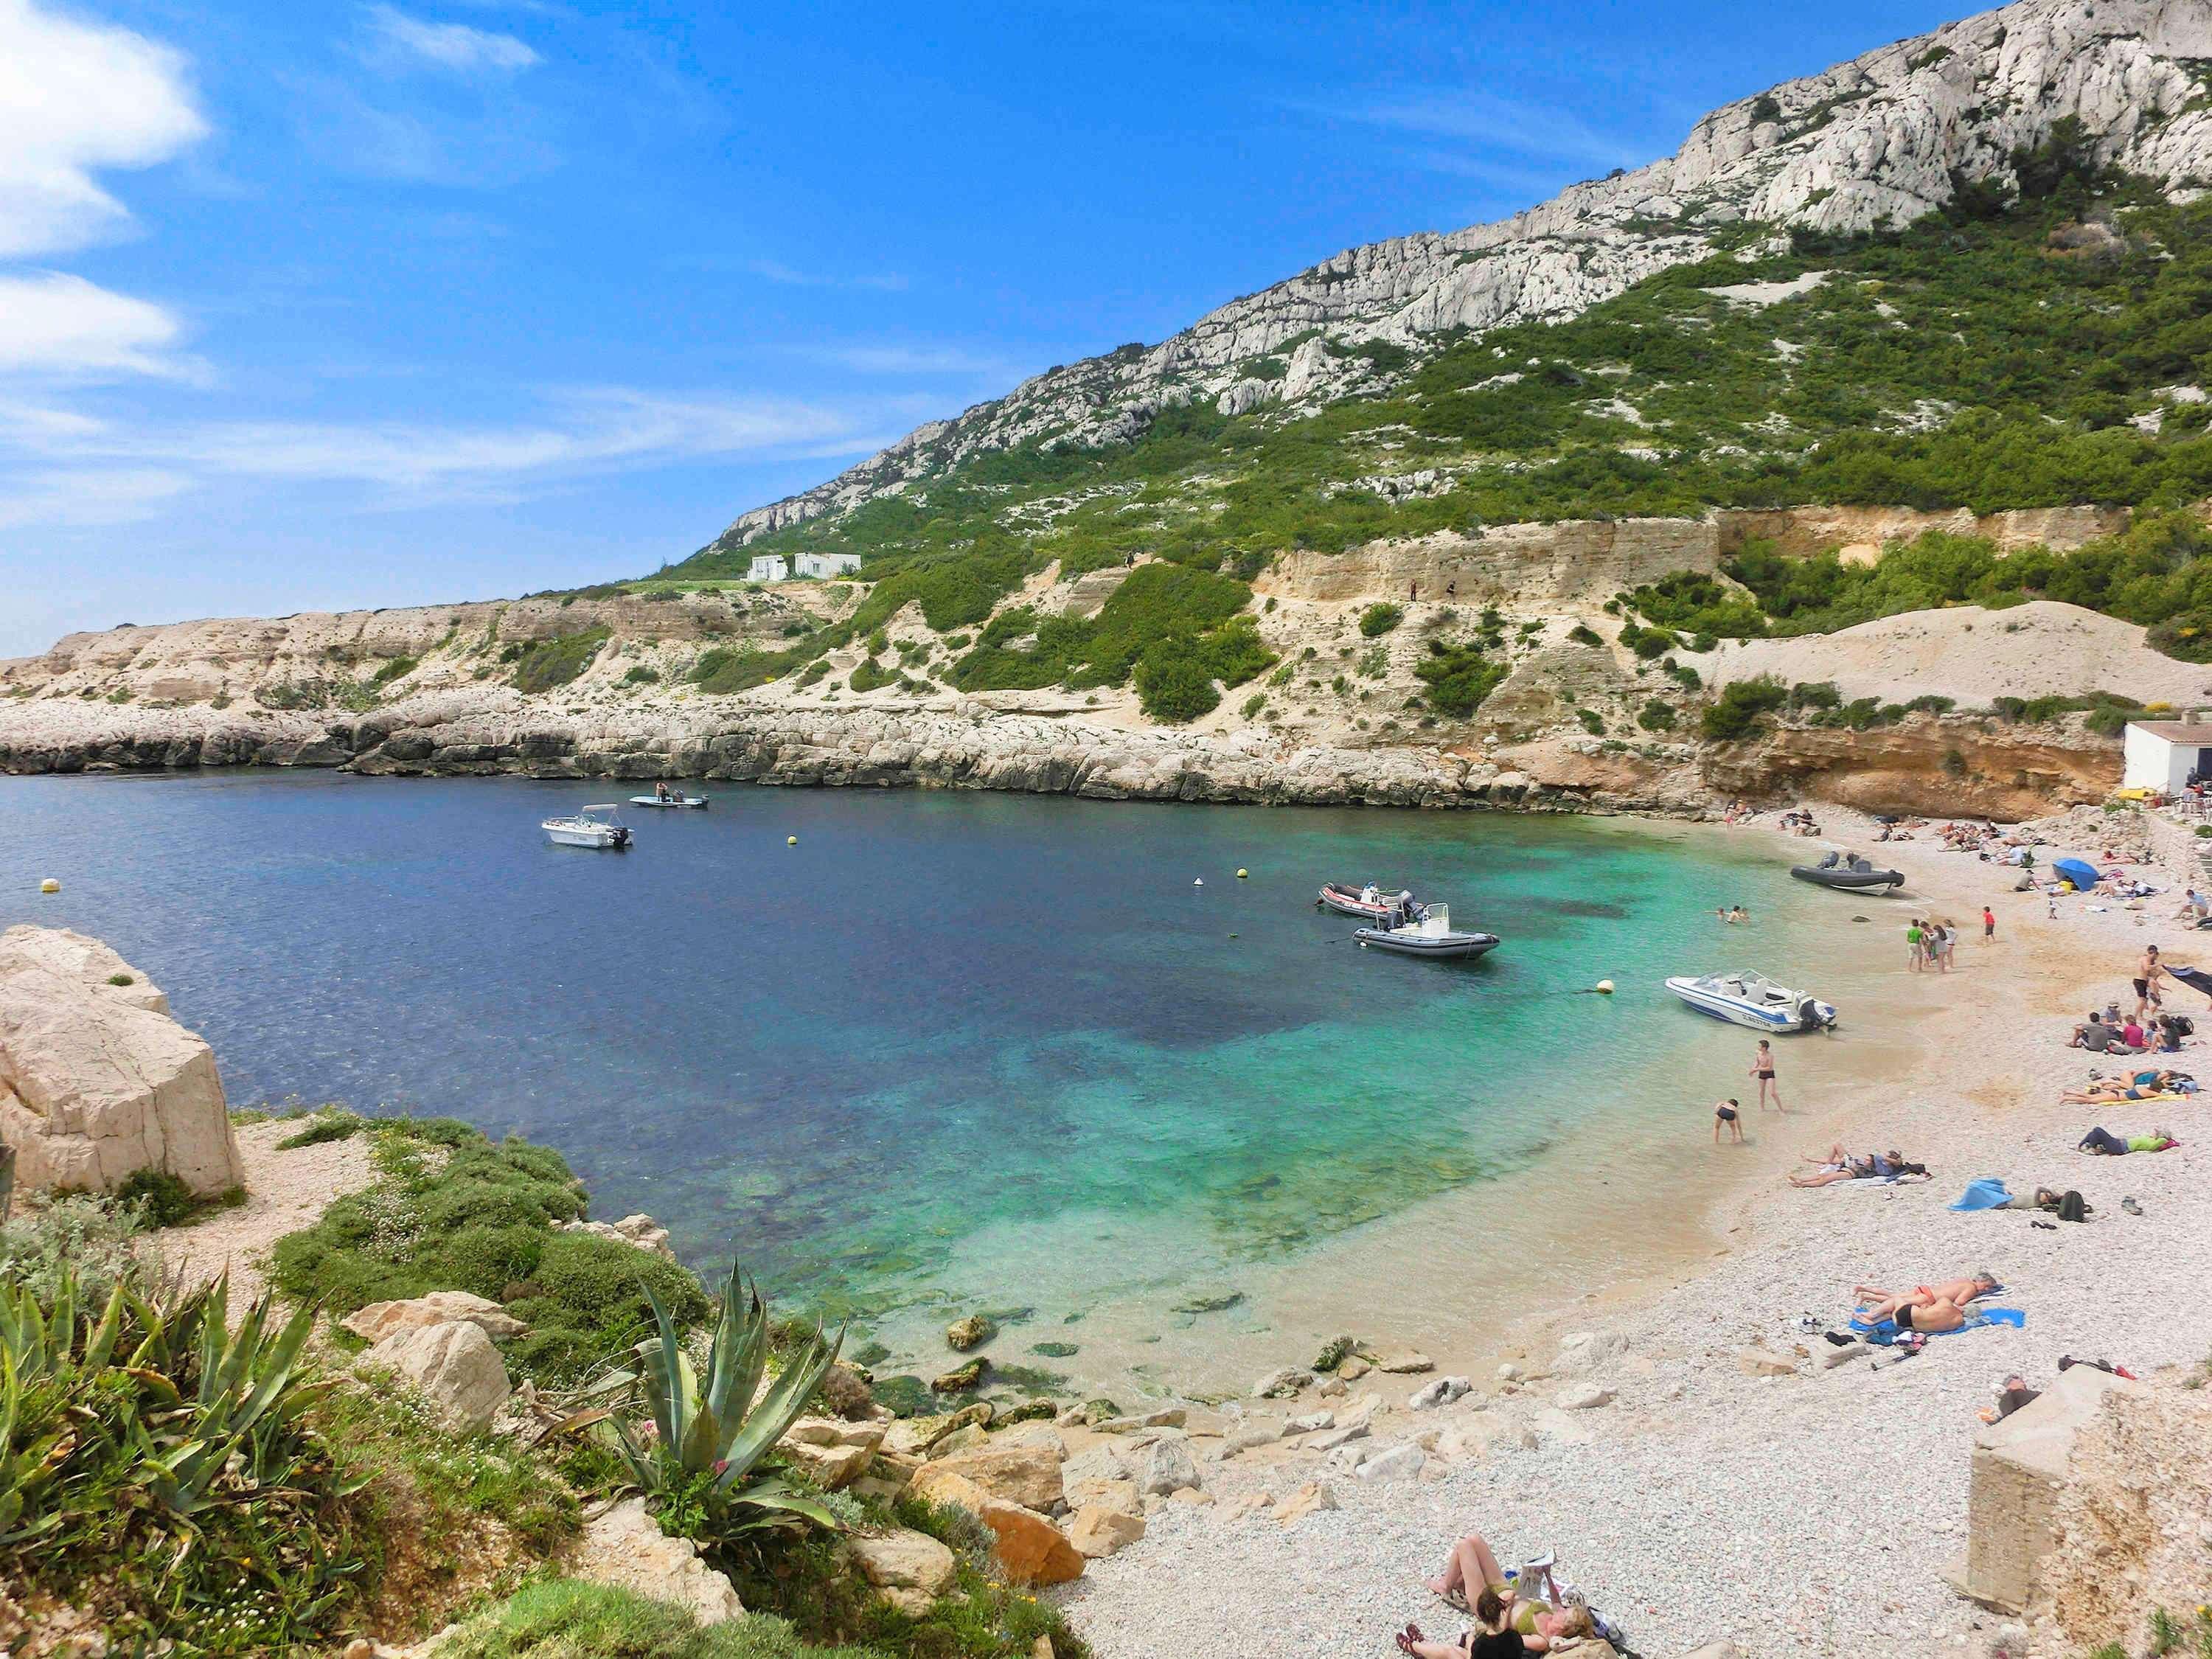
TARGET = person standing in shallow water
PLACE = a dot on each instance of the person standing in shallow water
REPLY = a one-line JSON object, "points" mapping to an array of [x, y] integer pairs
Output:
{"points": [[1762, 1071], [1726, 1113]]}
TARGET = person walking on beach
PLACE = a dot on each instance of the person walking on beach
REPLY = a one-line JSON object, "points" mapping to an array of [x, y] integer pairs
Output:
{"points": [[1917, 939], [1726, 1112], [2149, 972], [1989, 925], [1945, 936], [1762, 1071]]}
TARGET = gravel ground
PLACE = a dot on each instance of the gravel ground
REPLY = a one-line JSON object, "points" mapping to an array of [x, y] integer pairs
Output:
{"points": [[284, 1192], [1806, 1514]]}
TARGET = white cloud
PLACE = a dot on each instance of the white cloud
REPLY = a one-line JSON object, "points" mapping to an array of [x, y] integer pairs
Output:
{"points": [[602, 429], [1484, 119], [87, 496], [58, 324], [454, 46], [77, 97]]}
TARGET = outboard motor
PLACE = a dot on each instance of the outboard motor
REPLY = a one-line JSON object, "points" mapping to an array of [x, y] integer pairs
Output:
{"points": [[1808, 1015]]}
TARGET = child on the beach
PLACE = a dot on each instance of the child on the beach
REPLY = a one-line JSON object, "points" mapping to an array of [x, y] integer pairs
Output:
{"points": [[1726, 1113]]}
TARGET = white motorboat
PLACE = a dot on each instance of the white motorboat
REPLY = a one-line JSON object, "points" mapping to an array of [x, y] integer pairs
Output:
{"points": [[1430, 936], [693, 803], [589, 826], [1755, 1001]]}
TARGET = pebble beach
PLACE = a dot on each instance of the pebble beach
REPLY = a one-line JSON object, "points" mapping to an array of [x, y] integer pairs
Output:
{"points": [[1731, 1485]]}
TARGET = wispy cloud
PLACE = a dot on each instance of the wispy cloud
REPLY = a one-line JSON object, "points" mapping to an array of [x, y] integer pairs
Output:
{"points": [[89, 496], [775, 271], [58, 325], [397, 38], [407, 462], [1548, 140], [75, 98]]}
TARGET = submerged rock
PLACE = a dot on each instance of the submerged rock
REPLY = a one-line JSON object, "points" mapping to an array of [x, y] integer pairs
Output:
{"points": [[962, 1378], [972, 1332]]}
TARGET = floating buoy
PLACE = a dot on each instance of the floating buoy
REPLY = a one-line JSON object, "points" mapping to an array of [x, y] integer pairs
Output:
{"points": [[791, 841], [1243, 874], [1603, 988], [50, 885]]}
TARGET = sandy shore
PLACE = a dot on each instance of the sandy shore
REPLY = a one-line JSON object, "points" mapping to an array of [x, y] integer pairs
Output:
{"points": [[1810, 1513]]}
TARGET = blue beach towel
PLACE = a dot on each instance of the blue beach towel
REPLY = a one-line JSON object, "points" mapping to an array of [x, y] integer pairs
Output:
{"points": [[1882, 1333], [1987, 1193]]}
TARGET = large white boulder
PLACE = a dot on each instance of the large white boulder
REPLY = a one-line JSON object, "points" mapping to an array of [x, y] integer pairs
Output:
{"points": [[381, 1319], [624, 1548], [97, 1081], [455, 1367]]}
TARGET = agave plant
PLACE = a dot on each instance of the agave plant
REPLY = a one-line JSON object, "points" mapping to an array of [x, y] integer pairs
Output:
{"points": [[711, 1433], [243, 1376]]}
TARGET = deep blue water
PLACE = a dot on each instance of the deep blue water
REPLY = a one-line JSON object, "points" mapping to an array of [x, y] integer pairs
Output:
{"points": [[947, 1038]]}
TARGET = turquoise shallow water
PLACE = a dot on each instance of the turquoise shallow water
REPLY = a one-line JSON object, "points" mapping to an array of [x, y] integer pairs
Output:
{"points": [[951, 1048]]}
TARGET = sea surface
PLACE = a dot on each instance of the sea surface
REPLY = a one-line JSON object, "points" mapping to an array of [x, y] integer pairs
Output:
{"points": [[947, 1051]]}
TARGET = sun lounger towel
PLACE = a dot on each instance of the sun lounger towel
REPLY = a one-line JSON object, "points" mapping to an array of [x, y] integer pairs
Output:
{"points": [[1987, 1193], [2196, 979]]}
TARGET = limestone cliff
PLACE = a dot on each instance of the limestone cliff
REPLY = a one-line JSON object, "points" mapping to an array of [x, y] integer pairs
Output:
{"points": [[1883, 139]]}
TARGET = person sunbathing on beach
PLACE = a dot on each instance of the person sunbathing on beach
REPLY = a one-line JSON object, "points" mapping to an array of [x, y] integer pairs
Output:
{"points": [[2136, 1085], [1840, 1166], [1925, 1307], [1496, 1606]]}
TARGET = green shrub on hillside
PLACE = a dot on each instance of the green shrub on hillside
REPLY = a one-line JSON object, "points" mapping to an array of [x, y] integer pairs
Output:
{"points": [[725, 670], [553, 663], [1656, 716], [1379, 619], [1737, 713], [567, 1619], [1692, 603], [1458, 677], [481, 1219]]}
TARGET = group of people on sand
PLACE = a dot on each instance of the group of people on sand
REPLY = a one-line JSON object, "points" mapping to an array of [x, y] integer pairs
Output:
{"points": [[2147, 1029], [1839, 1164], [1932, 943], [1728, 1115], [1526, 1610]]}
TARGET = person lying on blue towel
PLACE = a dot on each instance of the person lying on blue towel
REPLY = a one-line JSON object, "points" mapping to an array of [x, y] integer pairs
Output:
{"points": [[1931, 1308]]}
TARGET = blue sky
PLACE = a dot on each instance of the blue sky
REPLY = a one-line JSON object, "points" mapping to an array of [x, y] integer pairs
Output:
{"points": [[316, 306]]}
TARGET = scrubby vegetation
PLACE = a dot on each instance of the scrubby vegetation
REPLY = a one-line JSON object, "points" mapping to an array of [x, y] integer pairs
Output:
{"points": [[1969, 360], [452, 1211], [553, 663]]}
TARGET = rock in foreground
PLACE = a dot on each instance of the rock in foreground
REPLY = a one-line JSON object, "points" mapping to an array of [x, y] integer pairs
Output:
{"points": [[97, 1082]]}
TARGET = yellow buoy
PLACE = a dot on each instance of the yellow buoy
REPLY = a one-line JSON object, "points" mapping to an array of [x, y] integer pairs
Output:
{"points": [[1243, 874], [791, 841], [50, 885], [1605, 988]]}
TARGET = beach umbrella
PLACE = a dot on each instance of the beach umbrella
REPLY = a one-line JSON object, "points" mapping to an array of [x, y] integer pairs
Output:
{"points": [[2082, 875]]}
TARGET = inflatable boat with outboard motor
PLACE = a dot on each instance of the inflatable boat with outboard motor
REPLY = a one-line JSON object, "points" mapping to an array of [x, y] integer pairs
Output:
{"points": [[1369, 903], [1848, 873], [1755, 1001], [1430, 936]]}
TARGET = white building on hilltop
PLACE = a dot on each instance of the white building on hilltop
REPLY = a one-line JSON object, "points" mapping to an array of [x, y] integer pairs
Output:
{"points": [[823, 566], [767, 568], [2161, 755]]}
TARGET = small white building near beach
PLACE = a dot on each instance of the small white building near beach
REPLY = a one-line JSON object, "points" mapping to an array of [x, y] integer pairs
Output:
{"points": [[767, 568], [2161, 754], [824, 566]]}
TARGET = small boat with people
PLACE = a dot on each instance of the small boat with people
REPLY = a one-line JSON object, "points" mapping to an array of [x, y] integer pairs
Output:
{"points": [[1428, 933], [1755, 1001], [1848, 873], [671, 797], [1367, 902], [588, 826]]}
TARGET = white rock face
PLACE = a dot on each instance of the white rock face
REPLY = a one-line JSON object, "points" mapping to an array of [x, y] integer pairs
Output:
{"points": [[1884, 138], [378, 1320], [455, 1367], [96, 1080], [625, 1549]]}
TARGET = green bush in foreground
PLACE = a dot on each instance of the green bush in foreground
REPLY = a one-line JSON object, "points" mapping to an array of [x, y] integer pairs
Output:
{"points": [[565, 1618], [481, 1219]]}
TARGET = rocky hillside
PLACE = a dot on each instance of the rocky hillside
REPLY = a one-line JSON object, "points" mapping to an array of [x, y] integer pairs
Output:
{"points": [[1557, 509], [1894, 136]]}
